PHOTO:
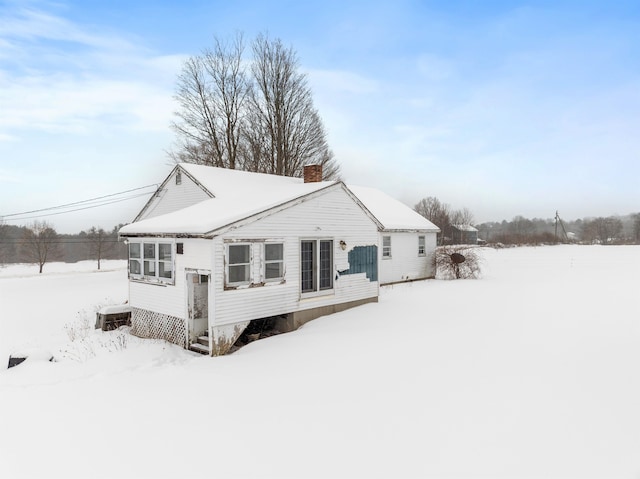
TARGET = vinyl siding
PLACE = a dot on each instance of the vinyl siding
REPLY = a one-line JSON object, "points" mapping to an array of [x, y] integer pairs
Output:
{"points": [[174, 197], [405, 264], [333, 216], [171, 299]]}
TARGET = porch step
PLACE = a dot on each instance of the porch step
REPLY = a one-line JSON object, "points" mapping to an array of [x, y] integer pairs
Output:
{"points": [[199, 348], [204, 340]]}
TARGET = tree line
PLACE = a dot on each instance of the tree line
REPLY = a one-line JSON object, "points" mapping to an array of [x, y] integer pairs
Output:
{"points": [[39, 243], [590, 230], [521, 230]]}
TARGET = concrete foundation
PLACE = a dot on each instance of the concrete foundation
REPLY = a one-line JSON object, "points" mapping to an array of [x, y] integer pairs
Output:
{"points": [[293, 321]]}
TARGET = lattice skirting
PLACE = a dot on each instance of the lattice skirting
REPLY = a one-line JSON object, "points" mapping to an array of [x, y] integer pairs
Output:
{"points": [[148, 324]]}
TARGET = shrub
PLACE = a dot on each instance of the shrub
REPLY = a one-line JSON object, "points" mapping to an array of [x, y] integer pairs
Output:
{"points": [[458, 262]]}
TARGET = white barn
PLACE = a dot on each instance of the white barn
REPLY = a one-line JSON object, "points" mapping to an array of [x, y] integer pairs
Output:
{"points": [[214, 249]]}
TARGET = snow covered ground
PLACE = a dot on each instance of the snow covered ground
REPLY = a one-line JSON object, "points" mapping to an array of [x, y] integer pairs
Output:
{"points": [[531, 371]]}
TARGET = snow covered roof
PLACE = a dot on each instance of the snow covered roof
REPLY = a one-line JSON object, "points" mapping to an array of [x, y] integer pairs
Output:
{"points": [[225, 182], [237, 195], [391, 213], [464, 228]]}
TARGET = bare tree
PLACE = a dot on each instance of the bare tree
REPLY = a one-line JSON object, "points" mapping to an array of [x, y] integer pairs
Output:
{"points": [[39, 243], [212, 91], [100, 243], [521, 229], [438, 213], [462, 217], [3, 242], [636, 228], [602, 230], [282, 111], [262, 119]]}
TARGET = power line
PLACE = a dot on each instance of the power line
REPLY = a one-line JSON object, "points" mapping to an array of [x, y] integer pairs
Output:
{"points": [[79, 202], [96, 200], [78, 209]]}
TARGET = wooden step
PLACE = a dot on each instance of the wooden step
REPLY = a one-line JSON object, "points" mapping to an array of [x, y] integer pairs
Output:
{"points": [[199, 348], [204, 340]]}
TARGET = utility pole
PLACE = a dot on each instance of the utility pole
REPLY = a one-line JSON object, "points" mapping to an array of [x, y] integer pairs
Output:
{"points": [[558, 220]]}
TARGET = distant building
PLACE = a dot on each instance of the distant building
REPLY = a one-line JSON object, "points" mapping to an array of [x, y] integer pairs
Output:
{"points": [[464, 234]]}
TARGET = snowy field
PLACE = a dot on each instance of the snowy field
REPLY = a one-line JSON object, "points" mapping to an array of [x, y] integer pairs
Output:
{"points": [[532, 371]]}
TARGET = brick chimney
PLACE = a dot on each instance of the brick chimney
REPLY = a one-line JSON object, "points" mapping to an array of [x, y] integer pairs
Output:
{"points": [[312, 173]]}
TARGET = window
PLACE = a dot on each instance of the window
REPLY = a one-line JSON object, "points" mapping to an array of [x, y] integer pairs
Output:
{"points": [[178, 178], [239, 263], [165, 261], [386, 246], [273, 261], [134, 259], [326, 265], [421, 246], [316, 265], [307, 258], [151, 261]]}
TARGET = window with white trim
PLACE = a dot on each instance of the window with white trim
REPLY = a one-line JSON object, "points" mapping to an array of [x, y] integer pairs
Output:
{"points": [[135, 266], [273, 261], [151, 261], [386, 246], [238, 264], [421, 246], [165, 260], [316, 265]]}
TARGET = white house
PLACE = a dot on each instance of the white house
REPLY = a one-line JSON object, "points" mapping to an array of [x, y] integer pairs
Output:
{"points": [[407, 240], [214, 249]]}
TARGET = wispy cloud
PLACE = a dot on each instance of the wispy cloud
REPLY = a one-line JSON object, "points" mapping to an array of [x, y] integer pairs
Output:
{"points": [[59, 76], [33, 24]]}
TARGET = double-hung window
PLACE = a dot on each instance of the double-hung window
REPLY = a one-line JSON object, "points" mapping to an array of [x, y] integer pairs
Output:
{"points": [[316, 265], [421, 246], [273, 261], [238, 264], [151, 261], [386, 246]]}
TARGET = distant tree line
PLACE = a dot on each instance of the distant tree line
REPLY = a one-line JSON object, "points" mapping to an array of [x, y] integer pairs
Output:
{"points": [[600, 230], [39, 243], [521, 230]]}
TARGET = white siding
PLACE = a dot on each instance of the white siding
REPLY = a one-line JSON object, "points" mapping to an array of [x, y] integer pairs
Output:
{"points": [[174, 197], [405, 264], [172, 299], [330, 216]]}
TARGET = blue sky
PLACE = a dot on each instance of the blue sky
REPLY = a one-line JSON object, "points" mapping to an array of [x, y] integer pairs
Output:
{"points": [[506, 108]]}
